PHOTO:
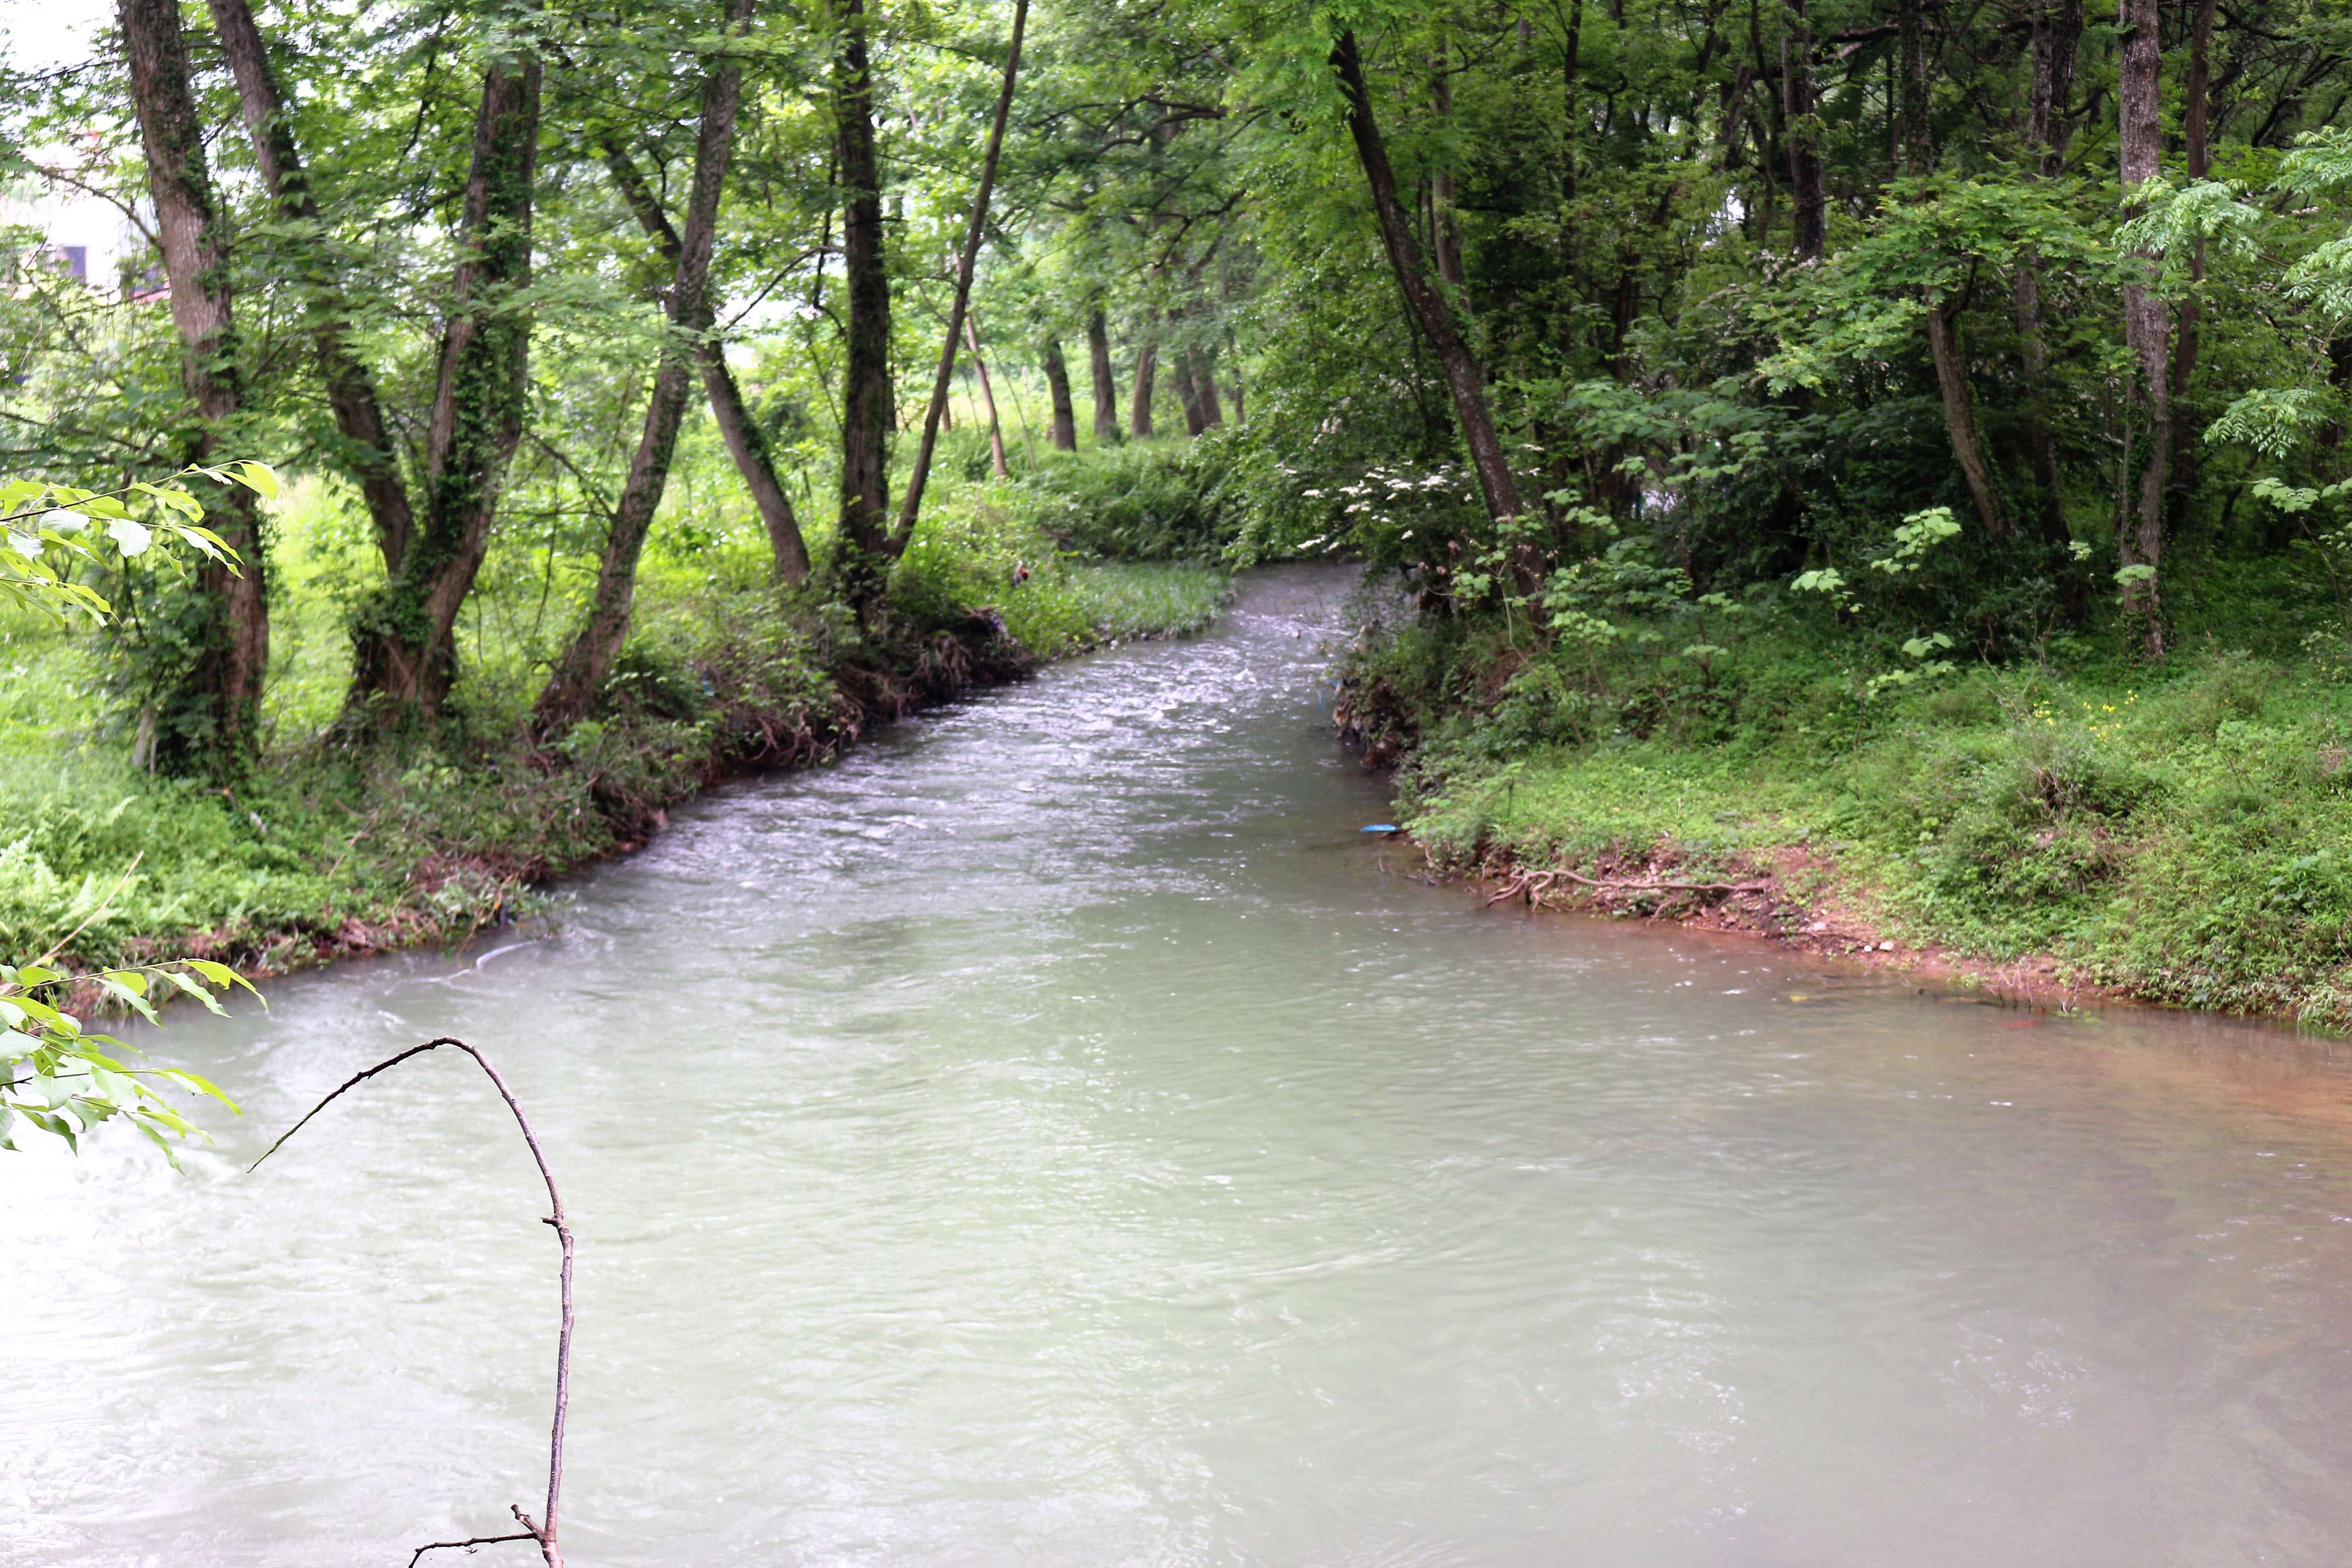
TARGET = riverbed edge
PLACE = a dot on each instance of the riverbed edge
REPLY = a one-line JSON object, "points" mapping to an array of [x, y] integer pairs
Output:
{"points": [[1803, 900], [457, 890]]}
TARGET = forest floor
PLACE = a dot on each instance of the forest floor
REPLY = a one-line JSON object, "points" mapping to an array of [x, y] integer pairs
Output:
{"points": [[331, 847], [2179, 833]]}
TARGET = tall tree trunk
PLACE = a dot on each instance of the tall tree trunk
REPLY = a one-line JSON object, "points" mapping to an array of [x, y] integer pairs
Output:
{"points": [[958, 325], [1188, 392], [1105, 380], [1430, 308], [1943, 329], [1444, 229], [747, 444], [1204, 388], [2055, 39], [987, 400], [2146, 330], [220, 725], [1912, 89], [867, 415], [406, 643], [572, 687], [1571, 125], [1057, 387], [1811, 201], [1147, 359], [2196, 119], [365, 452]]}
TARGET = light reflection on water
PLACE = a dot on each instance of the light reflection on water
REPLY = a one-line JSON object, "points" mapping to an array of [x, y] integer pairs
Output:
{"points": [[1055, 1135]]}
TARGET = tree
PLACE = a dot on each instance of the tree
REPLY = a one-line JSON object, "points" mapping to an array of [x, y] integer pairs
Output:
{"points": [[218, 720], [580, 674]]}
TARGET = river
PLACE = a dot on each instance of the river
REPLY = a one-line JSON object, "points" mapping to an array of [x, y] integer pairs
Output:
{"points": [[1055, 1135]]}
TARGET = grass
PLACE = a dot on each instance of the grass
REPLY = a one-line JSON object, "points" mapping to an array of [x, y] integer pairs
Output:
{"points": [[2180, 832]]}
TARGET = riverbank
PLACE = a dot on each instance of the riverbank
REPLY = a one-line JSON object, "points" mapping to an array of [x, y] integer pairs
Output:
{"points": [[2174, 835], [331, 849]]}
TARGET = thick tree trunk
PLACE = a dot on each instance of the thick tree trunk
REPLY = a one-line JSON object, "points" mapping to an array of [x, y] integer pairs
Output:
{"points": [[746, 443], [219, 724], [1057, 387], [1105, 380], [1188, 392], [987, 400], [1204, 389], [959, 325], [2147, 331], [572, 687], [1429, 308], [365, 452], [1810, 199], [1912, 89], [1147, 361], [407, 645], [866, 414]]}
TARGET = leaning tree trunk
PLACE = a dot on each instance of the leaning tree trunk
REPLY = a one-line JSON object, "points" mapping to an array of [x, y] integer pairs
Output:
{"points": [[866, 414], [405, 656], [987, 400], [1058, 386], [1943, 329], [959, 323], [579, 675], [221, 723], [1429, 309], [1105, 380], [747, 444], [365, 451], [2145, 330]]}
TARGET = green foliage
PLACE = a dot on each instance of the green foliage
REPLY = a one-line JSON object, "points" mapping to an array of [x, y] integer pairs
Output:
{"points": [[64, 1080], [59, 1077]]}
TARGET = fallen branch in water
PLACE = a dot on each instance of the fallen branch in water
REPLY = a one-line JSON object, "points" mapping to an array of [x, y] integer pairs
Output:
{"points": [[543, 1533], [1532, 883]]}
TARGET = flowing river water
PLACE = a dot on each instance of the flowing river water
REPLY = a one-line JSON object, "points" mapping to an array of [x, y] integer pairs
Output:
{"points": [[1056, 1135]]}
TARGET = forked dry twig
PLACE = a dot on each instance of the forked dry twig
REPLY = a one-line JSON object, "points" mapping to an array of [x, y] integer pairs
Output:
{"points": [[543, 1533]]}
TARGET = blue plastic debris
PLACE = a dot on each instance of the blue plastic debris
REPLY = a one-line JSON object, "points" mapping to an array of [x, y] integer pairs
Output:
{"points": [[1380, 828]]}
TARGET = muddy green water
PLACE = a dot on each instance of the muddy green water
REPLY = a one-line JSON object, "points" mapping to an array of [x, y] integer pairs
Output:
{"points": [[1054, 1136]]}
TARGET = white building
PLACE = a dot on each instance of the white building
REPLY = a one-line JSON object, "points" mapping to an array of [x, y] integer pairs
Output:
{"points": [[83, 234]]}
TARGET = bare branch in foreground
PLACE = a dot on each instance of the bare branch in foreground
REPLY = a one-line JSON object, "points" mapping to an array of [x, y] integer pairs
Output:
{"points": [[544, 1534], [468, 1545]]}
